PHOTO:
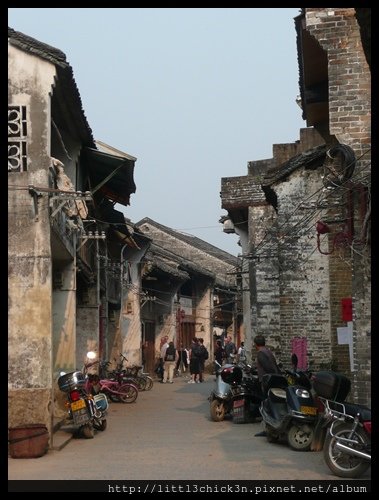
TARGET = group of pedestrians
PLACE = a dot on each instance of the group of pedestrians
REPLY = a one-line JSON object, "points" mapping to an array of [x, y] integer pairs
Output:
{"points": [[171, 359], [194, 358]]}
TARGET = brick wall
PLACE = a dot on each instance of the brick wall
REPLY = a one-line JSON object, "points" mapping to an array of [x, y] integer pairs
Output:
{"points": [[338, 33]]}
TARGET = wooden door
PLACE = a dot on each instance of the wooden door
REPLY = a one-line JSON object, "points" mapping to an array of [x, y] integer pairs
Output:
{"points": [[149, 347]]}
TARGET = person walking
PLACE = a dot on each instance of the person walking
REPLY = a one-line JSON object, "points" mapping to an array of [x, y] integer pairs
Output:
{"points": [[182, 363], [241, 353], [170, 358], [204, 355], [194, 361], [164, 345], [219, 354], [230, 350]]}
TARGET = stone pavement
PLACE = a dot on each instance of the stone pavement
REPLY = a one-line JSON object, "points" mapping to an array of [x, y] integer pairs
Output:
{"points": [[167, 434]]}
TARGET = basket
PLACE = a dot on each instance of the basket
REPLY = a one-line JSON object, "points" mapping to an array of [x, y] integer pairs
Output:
{"points": [[28, 441]]}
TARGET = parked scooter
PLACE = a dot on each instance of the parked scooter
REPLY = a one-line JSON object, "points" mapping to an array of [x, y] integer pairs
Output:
{"points": [[85, 410], [347, 427], [221, 397], [289, 410], [236, 393], [247, 394]]}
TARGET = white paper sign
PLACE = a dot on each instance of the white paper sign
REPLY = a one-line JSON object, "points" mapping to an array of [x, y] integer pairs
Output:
{"points": [[345, 336]]}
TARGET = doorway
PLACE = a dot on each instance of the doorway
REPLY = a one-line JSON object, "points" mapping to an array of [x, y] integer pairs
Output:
{"points": [[148, 342]]}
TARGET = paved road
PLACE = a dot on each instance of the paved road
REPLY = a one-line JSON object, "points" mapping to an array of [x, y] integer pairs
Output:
{"points": [[167, 434]]}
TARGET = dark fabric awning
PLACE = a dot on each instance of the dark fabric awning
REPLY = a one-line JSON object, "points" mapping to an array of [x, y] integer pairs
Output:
{"points": [[111, 175]]}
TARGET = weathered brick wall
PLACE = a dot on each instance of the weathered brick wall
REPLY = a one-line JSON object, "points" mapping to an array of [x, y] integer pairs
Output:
{"points": [[240, 191], [337, 31], [264, 275], [29, 250], [279, 301], [304, 273]]}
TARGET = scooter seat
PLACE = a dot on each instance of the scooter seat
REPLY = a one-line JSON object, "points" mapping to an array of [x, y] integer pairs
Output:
{"points": [[279, 393]]}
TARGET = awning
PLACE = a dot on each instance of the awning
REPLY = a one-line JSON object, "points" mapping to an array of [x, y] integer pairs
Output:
{"points": [[111, 175]]}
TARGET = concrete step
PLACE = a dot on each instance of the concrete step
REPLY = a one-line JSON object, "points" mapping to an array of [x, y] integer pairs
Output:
{"points": [[61, 437], [62, 434]]}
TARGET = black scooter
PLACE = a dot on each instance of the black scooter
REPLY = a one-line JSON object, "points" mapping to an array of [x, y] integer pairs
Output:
{"points": [[289, 410], [246, 393]]}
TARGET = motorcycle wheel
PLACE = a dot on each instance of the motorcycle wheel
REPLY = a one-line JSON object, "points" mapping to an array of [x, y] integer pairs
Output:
{"points": [[300, 437], [340, 463], [100, 425], [217, 410], [88, 431]]}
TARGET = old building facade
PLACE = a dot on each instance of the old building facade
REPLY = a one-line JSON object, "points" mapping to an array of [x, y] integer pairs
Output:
{"points": [[304, 215], [195, 289], [81, 276], [58, 231]]}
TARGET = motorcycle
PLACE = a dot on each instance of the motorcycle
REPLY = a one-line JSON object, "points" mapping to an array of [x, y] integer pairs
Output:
{"points": [[347, 427], [247, 394], [236, 393], [85, 410], [289, 410], [221, 396]]}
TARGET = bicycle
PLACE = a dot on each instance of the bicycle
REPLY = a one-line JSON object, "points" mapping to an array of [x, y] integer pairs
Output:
{"points": [[134, 375], [115, 388]]}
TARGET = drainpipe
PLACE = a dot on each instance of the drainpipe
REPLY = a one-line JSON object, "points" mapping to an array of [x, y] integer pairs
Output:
{"points": [[122, 286], [98, 296]]}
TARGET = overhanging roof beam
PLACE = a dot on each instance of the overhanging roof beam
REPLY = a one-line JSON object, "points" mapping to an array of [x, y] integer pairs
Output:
{"points": [[108, 177]]}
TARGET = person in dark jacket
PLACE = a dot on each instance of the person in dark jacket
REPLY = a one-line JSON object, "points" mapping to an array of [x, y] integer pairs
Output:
{"points": [[203, 357], [219, 353], [266, 363], [195, 356], [230, 349]]}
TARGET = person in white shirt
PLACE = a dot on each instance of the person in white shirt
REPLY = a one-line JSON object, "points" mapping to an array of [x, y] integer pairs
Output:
{"points": [[241, 354]]}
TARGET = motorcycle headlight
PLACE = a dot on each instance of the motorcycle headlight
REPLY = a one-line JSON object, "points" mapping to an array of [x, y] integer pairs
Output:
{"points": [[302, 393]]}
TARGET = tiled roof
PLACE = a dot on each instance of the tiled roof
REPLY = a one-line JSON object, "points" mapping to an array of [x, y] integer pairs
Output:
{"points": [[65, 77], [309, 160], [194, 241]]}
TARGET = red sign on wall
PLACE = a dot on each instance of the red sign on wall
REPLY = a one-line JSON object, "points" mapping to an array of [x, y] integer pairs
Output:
{"points": [[347, 309]]}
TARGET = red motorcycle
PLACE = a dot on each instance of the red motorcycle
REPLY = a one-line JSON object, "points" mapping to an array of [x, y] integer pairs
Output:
{"points": [[347, 440], [85, 410]]}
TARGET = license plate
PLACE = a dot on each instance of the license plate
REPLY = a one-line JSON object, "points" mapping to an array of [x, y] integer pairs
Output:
{"points": [[78, 405], [308, 410], [238, 403]]}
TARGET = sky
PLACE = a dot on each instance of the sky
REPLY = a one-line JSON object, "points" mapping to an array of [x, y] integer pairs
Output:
{"points": [[193, 93]]}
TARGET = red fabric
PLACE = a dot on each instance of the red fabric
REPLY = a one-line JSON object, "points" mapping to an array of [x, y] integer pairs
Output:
{"points": [[347, 309], [299, 347]]}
